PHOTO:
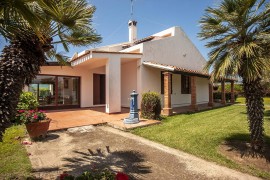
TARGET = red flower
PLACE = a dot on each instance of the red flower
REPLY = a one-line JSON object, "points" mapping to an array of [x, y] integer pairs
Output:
{"points": [[62, 176], [121, 176], [35, 116], [21, 111]]}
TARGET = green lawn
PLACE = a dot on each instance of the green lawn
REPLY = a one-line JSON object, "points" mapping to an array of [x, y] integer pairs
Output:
{"points": [[201, 133], [241, 100], [13, 156]]}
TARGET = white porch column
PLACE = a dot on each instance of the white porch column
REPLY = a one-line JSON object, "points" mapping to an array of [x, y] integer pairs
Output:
{"points": [[113, 85]]}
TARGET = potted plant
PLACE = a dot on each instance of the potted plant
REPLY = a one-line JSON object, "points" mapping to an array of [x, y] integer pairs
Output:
{"points": [[36, 122]]}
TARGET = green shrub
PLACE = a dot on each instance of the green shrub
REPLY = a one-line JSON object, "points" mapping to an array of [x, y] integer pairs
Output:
{"points": [[217, 95], [238, 88], [150, 105], [27, 101]]}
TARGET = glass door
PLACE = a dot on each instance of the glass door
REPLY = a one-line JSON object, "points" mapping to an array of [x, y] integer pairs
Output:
{"points": [[68, 91]]}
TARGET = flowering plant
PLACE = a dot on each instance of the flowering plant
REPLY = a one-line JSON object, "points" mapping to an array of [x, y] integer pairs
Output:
{"points": [[97, 174], [29, 116]]}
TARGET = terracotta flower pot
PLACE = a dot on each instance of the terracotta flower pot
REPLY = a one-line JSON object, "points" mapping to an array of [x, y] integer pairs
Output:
{"points": [[38, 129]]}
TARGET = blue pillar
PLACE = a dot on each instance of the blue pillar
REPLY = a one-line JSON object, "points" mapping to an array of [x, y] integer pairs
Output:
{"points": [[133, 114]]}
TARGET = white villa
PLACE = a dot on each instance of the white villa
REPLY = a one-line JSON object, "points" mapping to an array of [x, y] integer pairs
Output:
{"points": [[166, 62]]}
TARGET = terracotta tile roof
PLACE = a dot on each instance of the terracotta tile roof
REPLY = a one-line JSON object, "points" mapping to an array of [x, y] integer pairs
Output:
{"points": [[180, 70], [175, 69], [149, 38]]}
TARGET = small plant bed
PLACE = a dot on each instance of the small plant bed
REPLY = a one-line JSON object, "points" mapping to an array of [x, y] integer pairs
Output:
{"points": [[105, 174], [203, 133], [14, 158]]}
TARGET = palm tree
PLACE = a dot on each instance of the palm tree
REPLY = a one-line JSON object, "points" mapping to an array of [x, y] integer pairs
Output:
{"points": [[238, 33], [33, 28]]}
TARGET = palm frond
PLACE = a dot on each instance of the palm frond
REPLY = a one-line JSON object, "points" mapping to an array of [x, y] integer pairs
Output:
{"points": [[238, 33], [79, 37], [59, 57]]}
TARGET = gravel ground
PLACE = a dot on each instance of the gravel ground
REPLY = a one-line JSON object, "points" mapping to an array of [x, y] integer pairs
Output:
{"points": [[79, 149]]}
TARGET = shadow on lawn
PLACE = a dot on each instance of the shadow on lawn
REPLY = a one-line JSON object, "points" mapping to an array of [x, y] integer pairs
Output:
{"points": [[129, 162], [240, 144]]}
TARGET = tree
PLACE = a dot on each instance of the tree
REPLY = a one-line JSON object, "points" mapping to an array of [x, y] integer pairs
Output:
{"points": [[32, 29], [238, 33]]}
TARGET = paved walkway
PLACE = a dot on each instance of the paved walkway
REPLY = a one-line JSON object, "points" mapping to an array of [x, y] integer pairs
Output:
{"points": [[80, 149], [64, 119]]}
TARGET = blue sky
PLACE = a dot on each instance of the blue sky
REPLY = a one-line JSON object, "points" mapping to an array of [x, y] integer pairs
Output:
{"points": [[111, 17]]}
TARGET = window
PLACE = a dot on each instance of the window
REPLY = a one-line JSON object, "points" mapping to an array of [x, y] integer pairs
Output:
{"points": [[162, 83], [185, 84], [56, 90], [44, 88]]}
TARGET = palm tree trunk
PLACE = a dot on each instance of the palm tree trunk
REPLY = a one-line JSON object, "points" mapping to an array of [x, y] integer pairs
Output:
{"points": [[255, 110], [19, 63]]}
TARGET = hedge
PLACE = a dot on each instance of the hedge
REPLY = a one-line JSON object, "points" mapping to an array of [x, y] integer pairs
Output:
{"points": [[217, 95]]}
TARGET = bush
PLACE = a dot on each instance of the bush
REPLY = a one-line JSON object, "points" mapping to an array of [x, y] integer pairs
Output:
{"points": [[217, 95], [151, 105], [27, 101]]}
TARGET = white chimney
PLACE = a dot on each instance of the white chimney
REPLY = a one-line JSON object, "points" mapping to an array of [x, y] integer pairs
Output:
{"points": [[132, 27]]}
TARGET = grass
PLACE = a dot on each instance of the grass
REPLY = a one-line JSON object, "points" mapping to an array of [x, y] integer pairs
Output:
{"points": [[201, 133], [14, 158], [241, 100]]}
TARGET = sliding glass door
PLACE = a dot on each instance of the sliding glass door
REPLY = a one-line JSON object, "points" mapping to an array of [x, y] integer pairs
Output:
{"points": [[56, 91], [68, 91]]}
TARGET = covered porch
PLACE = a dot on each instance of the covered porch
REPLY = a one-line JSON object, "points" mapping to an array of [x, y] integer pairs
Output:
{"points": [[189, 85], [118, 72]]}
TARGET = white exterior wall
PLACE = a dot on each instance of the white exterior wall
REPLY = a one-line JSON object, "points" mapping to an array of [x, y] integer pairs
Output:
{"points": [[128, 81], [202, 90], [86, 76], [176, 50], [148, 80]]}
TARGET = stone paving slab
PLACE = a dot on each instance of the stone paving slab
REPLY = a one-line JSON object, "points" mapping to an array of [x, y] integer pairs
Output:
{"points": [[125, 127]]}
